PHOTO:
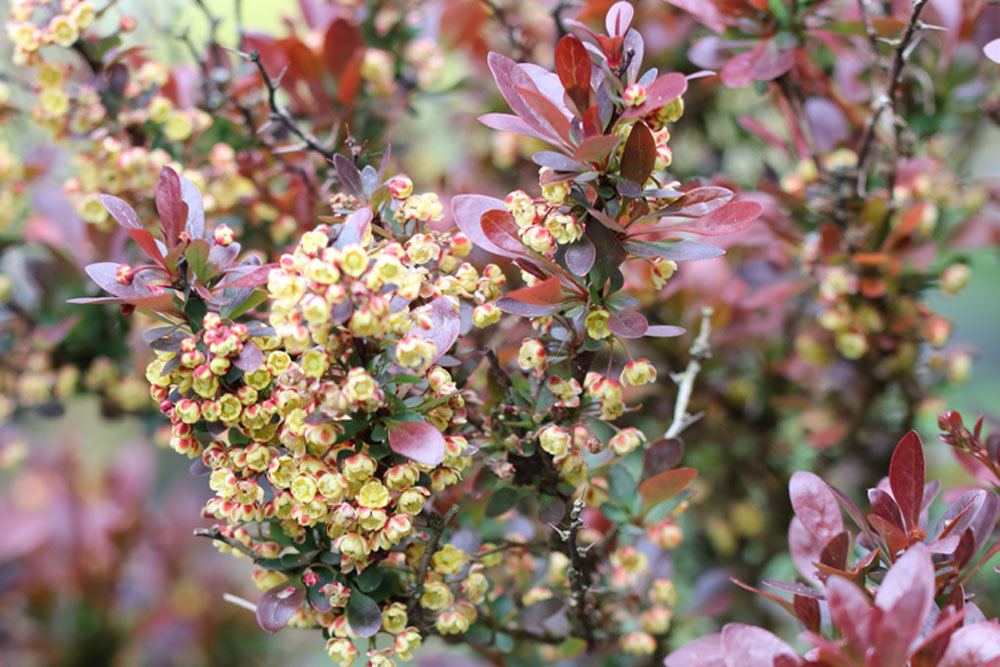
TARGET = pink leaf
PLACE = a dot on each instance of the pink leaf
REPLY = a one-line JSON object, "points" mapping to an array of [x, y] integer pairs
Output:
{"points": [[906, 477], [706, 12], [618, 19], [850, 610], [906, 596], [727, 219], [122, 212], [468, 211], [703, 652], [628, 324], [665, 331], [445, 327], [354, 227], [749, 646], [992, 50], [764, 62], [973, 646], [506, 122], [661, 92], [700, 201], [419, 441], [815, 506]]}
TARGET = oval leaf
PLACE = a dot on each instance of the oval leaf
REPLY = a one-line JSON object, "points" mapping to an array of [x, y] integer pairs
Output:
{"points": [[277, 606], [628, 324], [906, 478], [580, 256], [666, 485], [363, 614], [419, 441]]}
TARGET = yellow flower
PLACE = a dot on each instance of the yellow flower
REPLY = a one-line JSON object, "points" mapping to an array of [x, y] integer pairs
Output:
{"points": [[596, 323], [63, 30], [178, 125], [638, 372], [554, 440], [449, 560], [373, 494], [303, 488], [394, 618], [353, 260]]}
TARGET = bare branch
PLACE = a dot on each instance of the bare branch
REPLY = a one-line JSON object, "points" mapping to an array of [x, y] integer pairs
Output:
{"points": [[699, 351]]}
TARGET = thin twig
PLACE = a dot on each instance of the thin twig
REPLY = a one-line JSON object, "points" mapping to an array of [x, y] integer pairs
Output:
{"points": [[215, 533], [436, 525], [514, 35], [239, 602], [700, 350], [890, 100], [579, 578], [281, 115]]}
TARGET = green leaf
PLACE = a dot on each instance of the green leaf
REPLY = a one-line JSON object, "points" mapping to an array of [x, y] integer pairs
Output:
{"points": [[501, 500], [622, 483], [363, 614], [369, 579], [197, 259]]}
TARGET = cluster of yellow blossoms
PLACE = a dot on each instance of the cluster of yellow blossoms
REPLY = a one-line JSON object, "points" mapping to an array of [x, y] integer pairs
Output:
{"points": [[36, 23]]}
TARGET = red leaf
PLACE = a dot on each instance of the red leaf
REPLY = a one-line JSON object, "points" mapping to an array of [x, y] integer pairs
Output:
{"points": [[596, 148], [906, 595], [906, 478], [727, 219], [500, 228], [546, 293], [666, 485], [973, 645], [815, 506], [889, 532], [850, 610], [662, 454], [419, 441], [278, 605], [592, 123], [884, 506], [170, 205], [468, 211], [340, 44], [639, 156], [834, 553], [552, 116], [350, 80], [628, 324], [807, 611], [573, 67], [664, 90]]}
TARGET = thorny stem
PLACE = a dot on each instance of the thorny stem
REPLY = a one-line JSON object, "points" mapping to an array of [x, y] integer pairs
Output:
{"points": [[436, 524], [578, 577], [216, 534], [700, 350], [889, 102], [281, 115]]}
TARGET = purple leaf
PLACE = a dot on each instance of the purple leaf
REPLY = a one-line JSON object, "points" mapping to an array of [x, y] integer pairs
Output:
{"points": [[278, 605], [122, 212], [248, 276], [727, 219], [703, 652], [750, 646], [906, 478], [419, 441], [701, 201], [764, 62], [363, 614], [505, 122], [522, 309], [556, 161], [827, 121], [815, 506], [580, 256], [250, 358], [628, 324], [445, 326], [468, 212], [662, 454], [354, 228], [678, 251], [350, 177], [195, 223], [794, 587], [910, 581]]}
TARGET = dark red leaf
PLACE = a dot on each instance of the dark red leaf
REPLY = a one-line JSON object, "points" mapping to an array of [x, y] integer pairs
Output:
{"points": [[419, 441], [906, 477], [834, 554], [639, 156], [893, 537], [341, 43], [666, 485], [807, 611], [592, 123], [546, 110], [278, 605], [573, 67], [628, 324], [662, 454], [468, 211], [884, 506], [501, 230], [170, 205]]}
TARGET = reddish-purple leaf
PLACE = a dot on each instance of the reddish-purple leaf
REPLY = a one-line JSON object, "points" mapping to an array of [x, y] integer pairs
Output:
{"points": [[890, 533], [976, 645], [727, 219], [666, 485], [906, 595], [628, 324], [662, 454], [619, 18], [639, 156], [556, 161], [884, 506], [829, 126], [992, 50], [505, 122], [501, 230], [419, 441], [104, 274], [249, 359], [580, 256], [552, 116], [122, 212], [354, 228], [799, 589], [701, 201], [815, 506], [506, 74], [596, 148], [804, 548], [278, 605], [906, 478], [807, 611], [247, 276], [573, 67], [661, 92], [707, 13], [195, 223], [749, 646], [468, 211], [850, 610], [764, 62], [703, 652], [170, 205], [446, 325], [834, 553], [522, 309], [767, 594]]}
